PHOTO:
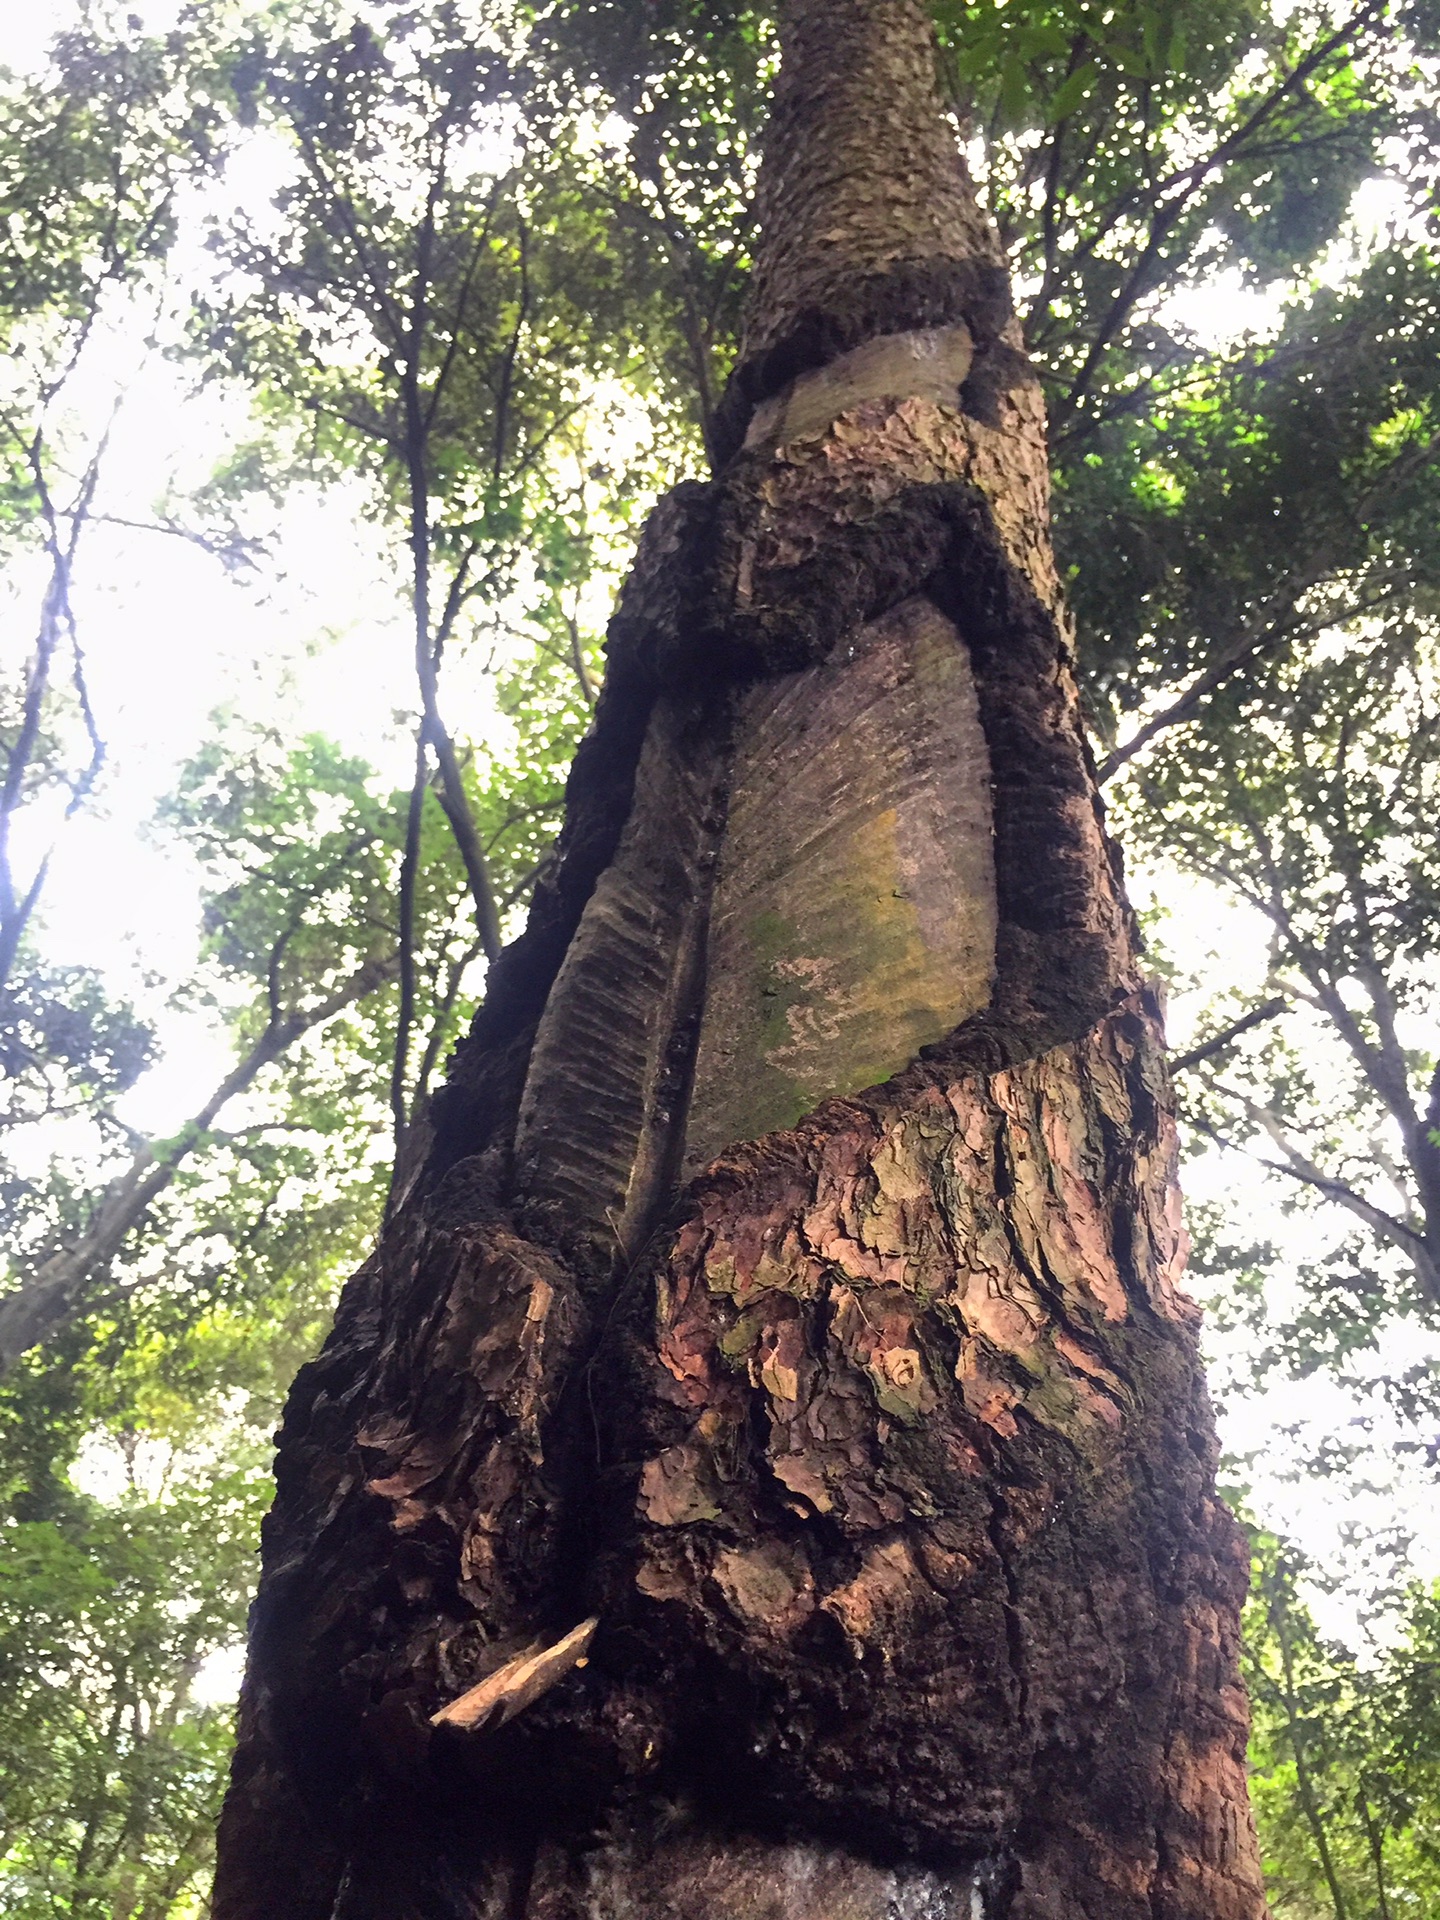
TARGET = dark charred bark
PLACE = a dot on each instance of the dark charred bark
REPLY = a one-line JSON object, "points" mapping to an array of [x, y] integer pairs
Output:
{"points": [[765, 1469]]}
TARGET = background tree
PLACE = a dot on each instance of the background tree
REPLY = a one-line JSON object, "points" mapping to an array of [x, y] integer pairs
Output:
{"points": [[1343, 1756]]}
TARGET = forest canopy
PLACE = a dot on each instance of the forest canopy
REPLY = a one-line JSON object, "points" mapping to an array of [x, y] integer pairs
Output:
{"points": [[347, 346]]}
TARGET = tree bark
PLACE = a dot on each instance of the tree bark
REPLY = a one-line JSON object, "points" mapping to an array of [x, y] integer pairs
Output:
{"points": [[770, 1437]]}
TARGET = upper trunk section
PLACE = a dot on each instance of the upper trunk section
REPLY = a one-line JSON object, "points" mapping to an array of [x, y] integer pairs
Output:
{"points": [[836, 807], [862, 185], [868, 220]]}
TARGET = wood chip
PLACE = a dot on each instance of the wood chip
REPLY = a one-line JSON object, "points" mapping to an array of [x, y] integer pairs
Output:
{"points": [[521, 1681]]}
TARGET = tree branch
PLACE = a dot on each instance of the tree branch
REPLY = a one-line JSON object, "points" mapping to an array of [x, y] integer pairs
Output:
{"points": [[1299, 1167], [57, 1291], [1236, 653], [1218, 1042]]}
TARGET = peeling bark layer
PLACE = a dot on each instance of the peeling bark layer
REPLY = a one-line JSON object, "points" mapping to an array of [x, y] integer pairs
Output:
{"points": [[766, 1468]]}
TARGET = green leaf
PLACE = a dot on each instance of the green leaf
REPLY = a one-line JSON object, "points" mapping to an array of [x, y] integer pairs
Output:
{"points": [[1068, 97]]}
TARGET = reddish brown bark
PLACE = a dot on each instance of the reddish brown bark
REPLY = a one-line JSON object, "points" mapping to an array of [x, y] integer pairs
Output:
{"points": [[791, 1287]]}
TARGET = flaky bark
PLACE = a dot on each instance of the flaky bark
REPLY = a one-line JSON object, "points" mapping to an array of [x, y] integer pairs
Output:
{"points": [[766, 1468]]}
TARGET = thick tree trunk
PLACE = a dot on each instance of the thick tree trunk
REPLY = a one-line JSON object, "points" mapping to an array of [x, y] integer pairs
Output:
{"points": [[766, 1470]]}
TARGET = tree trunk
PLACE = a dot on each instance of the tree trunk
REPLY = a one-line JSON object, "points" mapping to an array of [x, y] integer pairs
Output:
{"points": [[769, 1437]]}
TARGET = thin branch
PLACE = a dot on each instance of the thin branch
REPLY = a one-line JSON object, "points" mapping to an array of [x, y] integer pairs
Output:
{"points": [[1299, 1167], [697, 342], [62, 1285], [440, 1024], [380, 288], [57, 617], [1375, 1839], [272, 969], [1236, 653], [452, 797], [1304, 1786], [241, 547], [507, 365], [1218, 1042], [433, 733], [522, 886], [462, 301], [1050, 207], [577, 659], [458, 593], [409, 873], [1389, 1060], [366, 427]]}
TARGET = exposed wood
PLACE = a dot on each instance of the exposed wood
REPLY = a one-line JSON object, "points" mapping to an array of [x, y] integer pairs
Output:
{"points": [[609, 1070], [854, 917], [932, 364]]}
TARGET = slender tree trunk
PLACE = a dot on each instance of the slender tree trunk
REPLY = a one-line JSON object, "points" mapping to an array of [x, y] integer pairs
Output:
{"points": [[769, 1436]]}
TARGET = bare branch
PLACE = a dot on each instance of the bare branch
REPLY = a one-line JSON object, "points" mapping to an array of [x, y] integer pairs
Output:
{"points": [[577, 659], [1218, 1042], [1298, 1166], [1237, 652]]}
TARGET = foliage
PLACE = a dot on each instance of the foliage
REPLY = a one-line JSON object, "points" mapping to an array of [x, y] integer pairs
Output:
{"points": [[66, 1044], [677, 93], [1292, 577], [110, 1771], [1285, 494], [1345, 1758], [1133, 152]]}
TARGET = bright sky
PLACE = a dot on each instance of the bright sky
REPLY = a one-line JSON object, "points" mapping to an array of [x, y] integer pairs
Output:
{"points": [[317, 640]]}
